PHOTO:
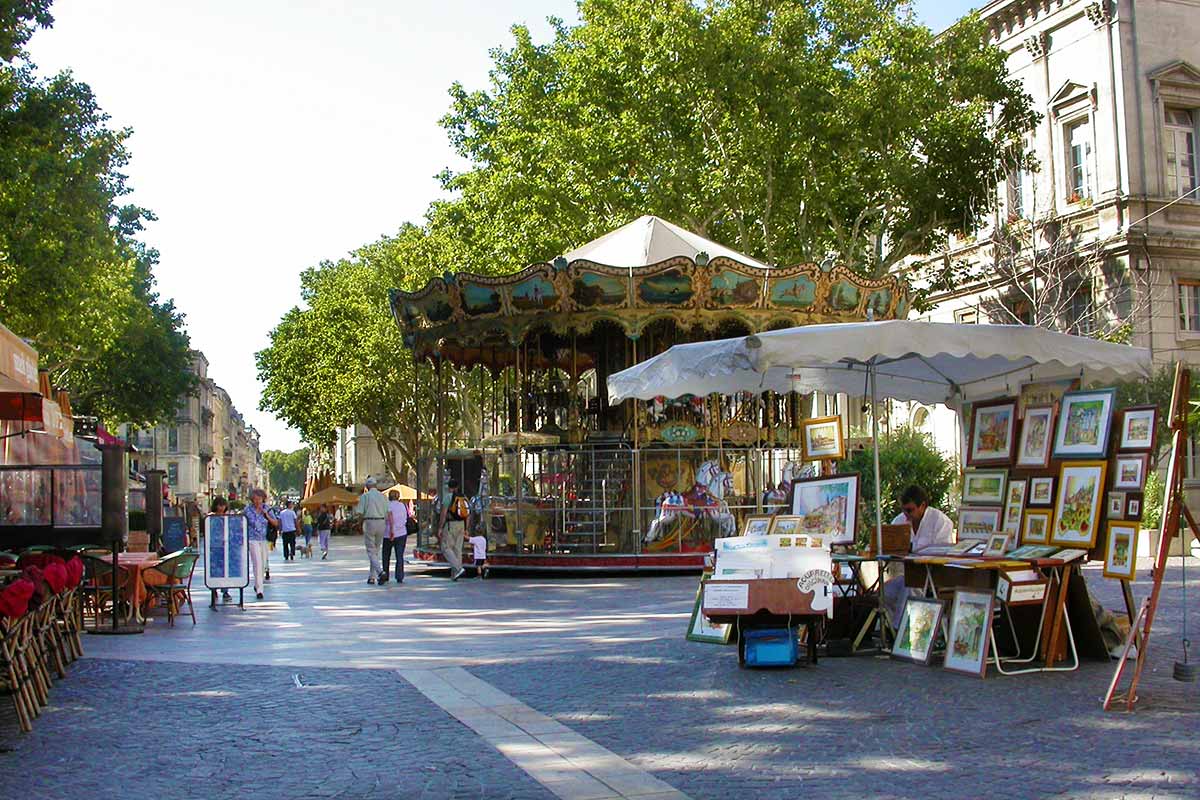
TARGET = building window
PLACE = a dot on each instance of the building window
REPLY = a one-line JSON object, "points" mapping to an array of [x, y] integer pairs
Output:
{"points": [[173, 475], [1189, 306], [1080, 310], [1016, 194], [1079, 161], [172, 440], [1181, 152], [967, 316]]}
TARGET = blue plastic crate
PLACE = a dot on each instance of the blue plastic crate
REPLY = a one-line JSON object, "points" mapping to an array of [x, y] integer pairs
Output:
{"points": [[770, 647]]}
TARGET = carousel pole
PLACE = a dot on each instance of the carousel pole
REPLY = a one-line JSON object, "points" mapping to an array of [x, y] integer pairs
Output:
{"points": [[875, 448], [519, 471], [441, 435], [636, 493]]}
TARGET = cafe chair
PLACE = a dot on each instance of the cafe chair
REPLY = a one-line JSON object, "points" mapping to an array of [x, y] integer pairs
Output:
{"points": [[14, 673], [96, 589], [177, 570]]}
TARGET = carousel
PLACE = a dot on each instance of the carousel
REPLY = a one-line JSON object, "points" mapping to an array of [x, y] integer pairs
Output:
{"points": [[561, 477]]}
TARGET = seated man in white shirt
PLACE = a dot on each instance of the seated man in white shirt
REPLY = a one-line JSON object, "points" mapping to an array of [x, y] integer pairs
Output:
{"points": [[929, 527]]}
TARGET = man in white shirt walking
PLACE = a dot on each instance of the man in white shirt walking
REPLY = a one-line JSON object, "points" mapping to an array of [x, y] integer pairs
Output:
{"points": [[373, 507], [396, 536], [287, 527]]}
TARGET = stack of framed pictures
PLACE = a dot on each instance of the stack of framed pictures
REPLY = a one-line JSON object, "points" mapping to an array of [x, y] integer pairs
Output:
{"points": [[966, 631]]}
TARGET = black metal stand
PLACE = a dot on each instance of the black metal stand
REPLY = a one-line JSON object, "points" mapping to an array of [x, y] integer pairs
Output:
{"points": [[116, 629]]}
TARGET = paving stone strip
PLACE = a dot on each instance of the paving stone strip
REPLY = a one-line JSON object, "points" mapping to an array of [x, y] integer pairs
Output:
{"points": [[571, 766]]}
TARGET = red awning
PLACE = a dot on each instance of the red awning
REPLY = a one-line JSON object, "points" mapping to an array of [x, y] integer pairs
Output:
{"points": [[17, 403]]}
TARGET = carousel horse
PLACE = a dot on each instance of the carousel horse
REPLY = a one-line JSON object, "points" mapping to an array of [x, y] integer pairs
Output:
{"points": [[790, 473], [705, 500]]}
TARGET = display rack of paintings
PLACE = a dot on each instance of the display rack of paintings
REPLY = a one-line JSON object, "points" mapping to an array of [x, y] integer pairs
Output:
{"points": [[1129, 472], [1013, 505], [1084, 424], [1041, 490], [1037, 429], [993, 432], [828, 506], [1078, 504], [1137, 428], [919, 625], [1120, 553], [967, 640], [822, 439], [984, 486], [1035, 526]]}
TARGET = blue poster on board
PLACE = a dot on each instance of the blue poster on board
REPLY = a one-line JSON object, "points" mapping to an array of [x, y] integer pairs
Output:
{"points": [[226, 553]]}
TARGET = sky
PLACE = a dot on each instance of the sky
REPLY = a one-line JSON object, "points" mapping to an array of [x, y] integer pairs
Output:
{"points": [[270, 135]]}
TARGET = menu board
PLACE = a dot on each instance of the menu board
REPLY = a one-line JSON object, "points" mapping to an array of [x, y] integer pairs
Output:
{"points": [[226, 552]]}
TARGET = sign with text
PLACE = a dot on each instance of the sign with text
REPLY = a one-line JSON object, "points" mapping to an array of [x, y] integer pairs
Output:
{"points": [[226, 552]]}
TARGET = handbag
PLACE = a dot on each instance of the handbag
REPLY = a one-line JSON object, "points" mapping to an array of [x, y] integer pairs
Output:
{"points": [[411, 525]]}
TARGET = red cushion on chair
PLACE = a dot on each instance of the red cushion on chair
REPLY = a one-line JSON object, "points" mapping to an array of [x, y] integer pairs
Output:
{"points": [[33, 560], [74, 572], [56, 576], [14, 598]]}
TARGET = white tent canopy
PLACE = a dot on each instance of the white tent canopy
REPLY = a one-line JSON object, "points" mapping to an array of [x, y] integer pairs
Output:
{"points": [[649, 240], [927, 362]]}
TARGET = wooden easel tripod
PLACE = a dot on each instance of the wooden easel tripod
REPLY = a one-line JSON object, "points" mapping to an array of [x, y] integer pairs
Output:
{"points": [[1174, 511]]}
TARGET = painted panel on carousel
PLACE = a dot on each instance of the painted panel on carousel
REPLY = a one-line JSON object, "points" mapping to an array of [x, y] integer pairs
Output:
{"points": [[679, 433], [480, 299], [902, 307], [666, 288], [730, 288], [434, 307], [799, 291], [878, 302], [843, 296], [593, 290], [534, 294]]}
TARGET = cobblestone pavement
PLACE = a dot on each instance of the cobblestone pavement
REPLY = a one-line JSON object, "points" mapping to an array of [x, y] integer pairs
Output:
{"points": [[214, 711]]}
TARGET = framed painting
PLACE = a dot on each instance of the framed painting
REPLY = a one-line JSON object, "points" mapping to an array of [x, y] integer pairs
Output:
{"points": [[1116, 505], [699, 628], [977, 523], [757, 525], [786, 525], [919, 625], [993, 432], [1033, 448], [1044, 393], [1129, 472], [1014, 504], [822, 439], [997, 545], [827, 506], [1133, 506], [1084, 424], [1137, 428], [1041, 491], [984, 486], [1078, 503], [970, 624], [1120, 552], [1035, 526]]}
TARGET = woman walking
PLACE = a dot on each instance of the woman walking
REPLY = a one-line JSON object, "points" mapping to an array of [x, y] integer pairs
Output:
{"points": [[324, 527], [306, 523], [258, 519]]}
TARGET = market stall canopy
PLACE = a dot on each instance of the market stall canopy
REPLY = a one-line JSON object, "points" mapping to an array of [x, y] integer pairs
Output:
{"points": [[648, 240], [330, 496], [511, 439], [927, 362], [407, 492]]}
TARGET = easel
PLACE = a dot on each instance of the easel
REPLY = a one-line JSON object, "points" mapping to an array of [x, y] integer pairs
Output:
{"points": [[1173, 510]]}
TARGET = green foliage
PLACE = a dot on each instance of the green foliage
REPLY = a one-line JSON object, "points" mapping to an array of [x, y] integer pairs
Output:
{"points": [[287, 470], [73, 280], [787, 130], [906, 457], [1152, 501]]}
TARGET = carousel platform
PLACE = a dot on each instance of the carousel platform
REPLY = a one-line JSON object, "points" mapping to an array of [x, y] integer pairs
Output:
{"points": [[577, 562]]}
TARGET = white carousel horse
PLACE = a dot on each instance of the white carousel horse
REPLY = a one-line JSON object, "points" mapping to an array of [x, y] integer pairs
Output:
{"points": [[790, 473], [706, 500]]}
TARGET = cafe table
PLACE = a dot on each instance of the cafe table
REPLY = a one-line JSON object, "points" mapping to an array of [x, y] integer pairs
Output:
{"points": [[134, 590]]}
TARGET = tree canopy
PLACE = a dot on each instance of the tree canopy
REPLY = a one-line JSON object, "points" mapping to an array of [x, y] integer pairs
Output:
{"points": [[74, 280], [287, 470]]}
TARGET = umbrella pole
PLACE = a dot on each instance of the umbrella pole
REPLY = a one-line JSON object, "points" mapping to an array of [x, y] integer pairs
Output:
{"points": [[875, 443]]}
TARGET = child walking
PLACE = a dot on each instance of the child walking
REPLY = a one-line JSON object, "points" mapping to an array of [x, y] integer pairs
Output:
{"points": [[479, 545]]}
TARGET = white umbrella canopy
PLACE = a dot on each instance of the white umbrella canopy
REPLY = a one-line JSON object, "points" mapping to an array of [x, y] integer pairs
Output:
{"points": [[928, 362]]}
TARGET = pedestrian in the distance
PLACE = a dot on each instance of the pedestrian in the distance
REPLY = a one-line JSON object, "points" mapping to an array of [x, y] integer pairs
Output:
{"points": [[258, 520], [287, 529], [324, 528], [306, 519], [452, 527], [221, 506], [373, 507], [479, 551], [395, 539]]}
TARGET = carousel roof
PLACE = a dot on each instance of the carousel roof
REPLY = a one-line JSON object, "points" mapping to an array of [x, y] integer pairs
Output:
{"points": [[640, 273]]}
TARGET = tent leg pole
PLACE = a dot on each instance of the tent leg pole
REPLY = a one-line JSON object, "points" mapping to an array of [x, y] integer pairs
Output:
{"points": [[875, 448]]}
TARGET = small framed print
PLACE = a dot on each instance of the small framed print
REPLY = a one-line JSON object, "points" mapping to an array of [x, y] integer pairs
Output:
{"points": [[919, 624], [1037, 434], [993, 432], [786, 525], [1116, 505], [1078, 503], [977, 523], [1120, 553], [1014, 503], [1130, 471], [699, 628], [1035, 526], [1041, 491], [757, 525], [1084, 424], [997, 544], [822, 439], [970, 624], [1133, 506], [1137, 428], [984, 486]]}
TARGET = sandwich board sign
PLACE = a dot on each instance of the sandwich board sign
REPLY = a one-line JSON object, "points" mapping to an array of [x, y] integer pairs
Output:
{"points": [[226, 553]]}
